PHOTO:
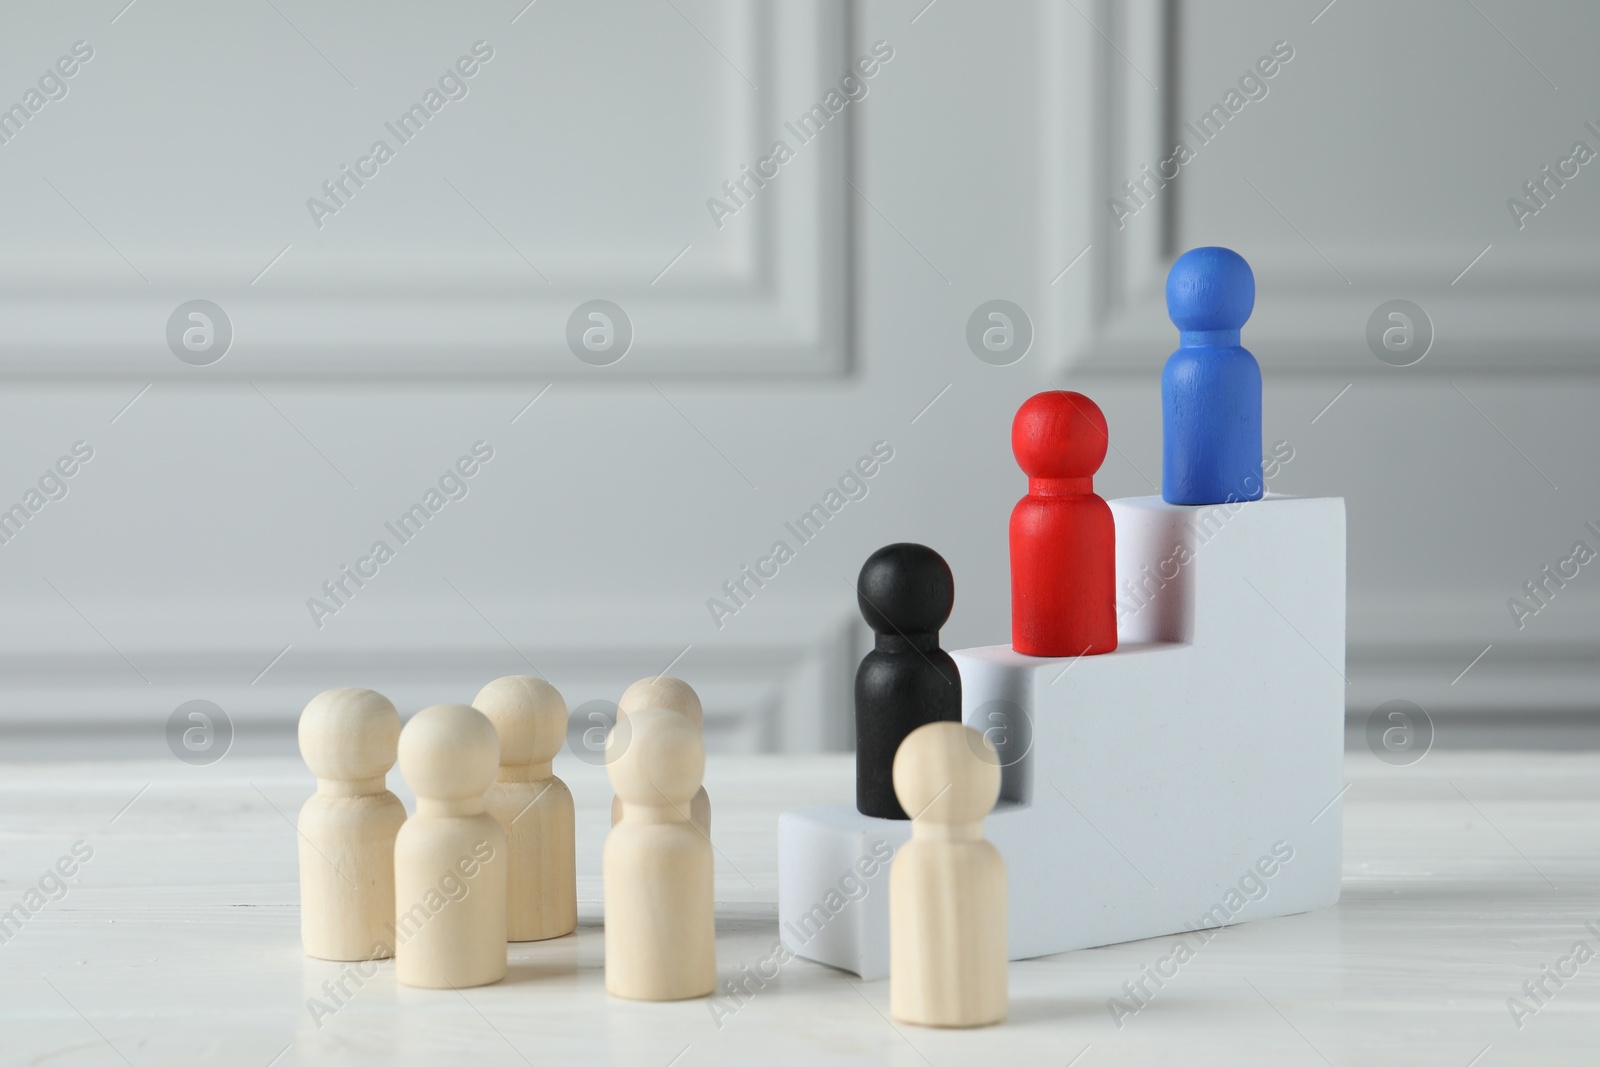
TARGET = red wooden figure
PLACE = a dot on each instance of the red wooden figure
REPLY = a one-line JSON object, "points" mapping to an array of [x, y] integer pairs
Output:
{"points": [[1063, 541]]}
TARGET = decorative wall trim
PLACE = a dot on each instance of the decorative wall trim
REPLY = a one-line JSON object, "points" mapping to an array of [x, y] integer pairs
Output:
{"points": [[771, 303], [1521, 310], [786, 687]]}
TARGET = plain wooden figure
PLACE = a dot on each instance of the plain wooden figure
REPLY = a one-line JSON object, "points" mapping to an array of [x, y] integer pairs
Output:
{"points": [[450, 857], [1211, 386], [905, 592], [1063, 540], [660, 930], [533, 806], [674, 694], [947, 887], [347, 829]]}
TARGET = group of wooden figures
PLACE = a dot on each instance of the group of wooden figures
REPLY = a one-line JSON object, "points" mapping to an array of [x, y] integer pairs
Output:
{"points": [[488, 856]]}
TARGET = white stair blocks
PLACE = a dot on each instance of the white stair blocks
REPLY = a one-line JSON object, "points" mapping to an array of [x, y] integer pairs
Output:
{"points": [[1189, 779]]}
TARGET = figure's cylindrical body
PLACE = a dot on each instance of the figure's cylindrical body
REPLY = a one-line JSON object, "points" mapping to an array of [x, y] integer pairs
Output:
{"points": [[903, 683], [347, 871], [450, 900], [536, 812], [1211, 424], [660, 925], [1063, 603], [947, 933]]}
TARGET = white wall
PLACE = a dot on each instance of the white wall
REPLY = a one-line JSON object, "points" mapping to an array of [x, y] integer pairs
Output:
{"points": [[820, 319]]}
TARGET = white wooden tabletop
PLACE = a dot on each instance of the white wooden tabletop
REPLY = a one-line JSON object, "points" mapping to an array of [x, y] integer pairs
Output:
{"points": [[177, 940]]}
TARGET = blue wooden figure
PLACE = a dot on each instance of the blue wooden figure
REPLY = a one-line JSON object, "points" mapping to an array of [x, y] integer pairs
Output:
{"points": [[1211, 387]]}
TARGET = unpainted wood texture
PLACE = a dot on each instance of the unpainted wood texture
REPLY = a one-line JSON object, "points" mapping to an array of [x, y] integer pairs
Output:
{"points": [[533, 807], [450, 857], [674, 694], [660, 925], [947, 886], [1063, 540], [347, 829]]}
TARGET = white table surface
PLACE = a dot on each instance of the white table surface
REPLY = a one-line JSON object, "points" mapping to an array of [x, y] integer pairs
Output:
{"points": [[178, 942]]}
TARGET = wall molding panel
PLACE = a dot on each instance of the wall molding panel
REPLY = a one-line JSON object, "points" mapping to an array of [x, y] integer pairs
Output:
{"points": [[785, 686], [1531, 301], [765, 296]]}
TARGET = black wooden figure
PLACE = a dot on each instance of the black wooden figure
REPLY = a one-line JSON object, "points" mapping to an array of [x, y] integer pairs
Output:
{"points": [[905, 592]]}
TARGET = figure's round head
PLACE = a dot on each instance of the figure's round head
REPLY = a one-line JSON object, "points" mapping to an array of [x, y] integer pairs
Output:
{"points": [[945, 772], [349, 734], [905, 588], [449, 752], [1059, 435], [661, 762], [674, 694], [528, 715], [1210, 288]]}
